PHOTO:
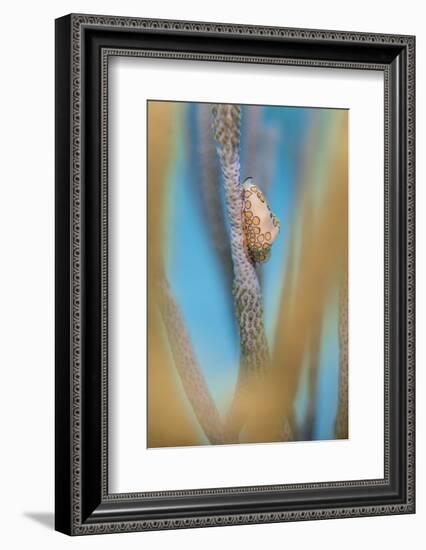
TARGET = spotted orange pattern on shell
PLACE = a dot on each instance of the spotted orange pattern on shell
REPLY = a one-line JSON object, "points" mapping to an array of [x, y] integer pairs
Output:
{"points": [[261, 226]]}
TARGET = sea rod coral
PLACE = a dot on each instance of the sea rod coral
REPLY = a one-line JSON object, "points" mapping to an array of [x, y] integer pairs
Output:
{"points": [[246, 288], [187, 366]]}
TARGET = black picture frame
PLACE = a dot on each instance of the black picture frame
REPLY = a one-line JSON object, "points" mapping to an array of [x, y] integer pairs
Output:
{"points": [[83, 45]]}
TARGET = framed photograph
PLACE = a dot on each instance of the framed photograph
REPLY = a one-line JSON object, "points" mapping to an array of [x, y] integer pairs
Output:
{"points": [[234, 274]]}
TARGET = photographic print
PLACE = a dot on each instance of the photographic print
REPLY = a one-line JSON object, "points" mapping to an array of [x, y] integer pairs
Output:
{"points": [[247, 274]]}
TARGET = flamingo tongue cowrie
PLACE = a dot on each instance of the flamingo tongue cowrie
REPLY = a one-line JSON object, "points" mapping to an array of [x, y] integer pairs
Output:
{"points": [[260, 225]]}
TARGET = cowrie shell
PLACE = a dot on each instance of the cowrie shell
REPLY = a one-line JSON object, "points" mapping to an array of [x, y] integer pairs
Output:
{"points": [[260, 225]]}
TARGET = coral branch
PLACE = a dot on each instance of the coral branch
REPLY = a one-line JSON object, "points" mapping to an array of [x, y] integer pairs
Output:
{"points": [[186, 364], [342, 411], [246, 289], [210, 193]]}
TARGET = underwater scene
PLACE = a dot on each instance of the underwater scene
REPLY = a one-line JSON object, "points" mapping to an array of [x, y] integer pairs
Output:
{"points": [[247, 274]]}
